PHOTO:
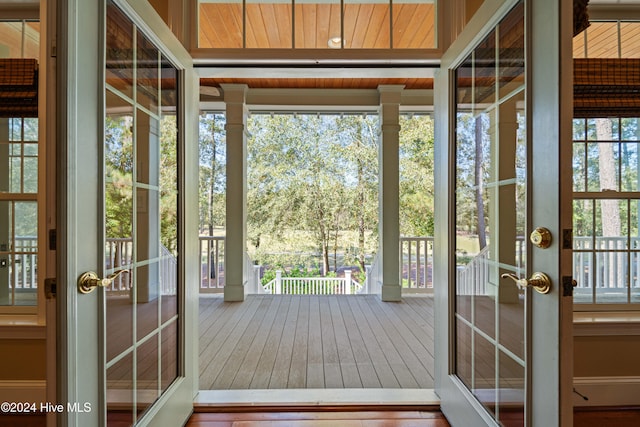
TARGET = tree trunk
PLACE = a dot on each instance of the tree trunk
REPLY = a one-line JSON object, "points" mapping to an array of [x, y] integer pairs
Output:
{"points": [[212, 183], [361, 210], [607, 165], [479, 184], [610, 210], [325, 256]]}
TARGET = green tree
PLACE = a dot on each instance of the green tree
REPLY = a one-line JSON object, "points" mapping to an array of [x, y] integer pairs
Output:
{"points": [[119, 176], [212, 181], [416, 175], [360, 150]]}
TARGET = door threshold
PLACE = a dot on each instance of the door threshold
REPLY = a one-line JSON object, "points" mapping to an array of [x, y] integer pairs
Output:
{"points": [[316, 399]]}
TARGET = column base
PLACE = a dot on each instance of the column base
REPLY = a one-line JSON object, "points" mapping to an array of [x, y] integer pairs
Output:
{"points": [[233, 293], [391, 293]]}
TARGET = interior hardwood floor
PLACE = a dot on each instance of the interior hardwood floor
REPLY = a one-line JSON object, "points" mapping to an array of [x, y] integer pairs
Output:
{"points": [[320, 419], [31, 420], [583, 417], [606, 417], [316, 341]]}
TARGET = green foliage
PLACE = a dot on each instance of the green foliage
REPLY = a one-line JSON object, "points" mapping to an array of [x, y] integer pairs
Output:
{"points": [[169, 183], [212, 181], [119, 176], [315, 178], [270, 274], [120, 187], [312, 173], [416, 175]]}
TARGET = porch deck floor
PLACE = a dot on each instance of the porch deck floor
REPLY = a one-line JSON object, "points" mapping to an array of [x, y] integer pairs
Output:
{"points": [[316, 341]]}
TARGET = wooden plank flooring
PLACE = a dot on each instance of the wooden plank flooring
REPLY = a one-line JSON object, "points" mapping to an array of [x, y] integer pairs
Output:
{"points": [[320, 419], [315, 341]]}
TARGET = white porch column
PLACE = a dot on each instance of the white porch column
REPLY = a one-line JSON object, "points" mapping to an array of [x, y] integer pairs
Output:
{"points": [[389, 199], [236, 215]]}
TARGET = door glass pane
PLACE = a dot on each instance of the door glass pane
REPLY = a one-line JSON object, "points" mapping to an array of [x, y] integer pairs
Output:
{"points": [[147, 380], [119, 51], [120, 386], [147, 301], [490, 200], [169, 355], [141, 224], [147, 148], [169, 196], [147, 74]]}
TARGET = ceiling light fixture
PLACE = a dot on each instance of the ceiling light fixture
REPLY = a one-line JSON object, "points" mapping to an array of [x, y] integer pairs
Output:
{"points": [[335, 42]]}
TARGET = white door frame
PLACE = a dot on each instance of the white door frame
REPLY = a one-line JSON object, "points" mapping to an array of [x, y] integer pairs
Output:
{"points": [[550, 111], [80, 109]]}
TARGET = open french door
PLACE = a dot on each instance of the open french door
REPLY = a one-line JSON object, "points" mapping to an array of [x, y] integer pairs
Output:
{"points": [[504, 340], [128, 110]]}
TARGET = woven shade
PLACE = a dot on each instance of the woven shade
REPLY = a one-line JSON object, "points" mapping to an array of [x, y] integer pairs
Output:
{"points": [[604, 87], [18, 87]]}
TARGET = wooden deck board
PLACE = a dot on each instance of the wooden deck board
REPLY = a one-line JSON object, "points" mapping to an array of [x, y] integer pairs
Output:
{"points": [[232, 364], [280, 373], [315, 368], [254, 354], [220, 348], [262, 373], [307, 341], [413, 343], [298, 370], [388, 343], [379, 360]]}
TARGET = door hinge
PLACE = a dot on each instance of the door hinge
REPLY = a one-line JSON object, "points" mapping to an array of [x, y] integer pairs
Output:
{"points": [[53, 239], [50, 288], [567, 238], [567, 286]]}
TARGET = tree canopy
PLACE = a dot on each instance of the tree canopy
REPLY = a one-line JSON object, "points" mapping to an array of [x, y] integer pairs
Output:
{"points": [[313, 184]]}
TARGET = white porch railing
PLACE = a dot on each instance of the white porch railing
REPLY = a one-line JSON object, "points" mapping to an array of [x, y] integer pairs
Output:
{"points": [[25, 264], [211, 264], [472, 278], [313, 285], [416, 254], [252, 273], [119, 255], [373, 283], [607, 264], [168, 272]]}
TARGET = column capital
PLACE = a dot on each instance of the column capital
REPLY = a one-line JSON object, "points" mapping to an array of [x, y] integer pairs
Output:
{"points": [[390, 94], [234, 92]]}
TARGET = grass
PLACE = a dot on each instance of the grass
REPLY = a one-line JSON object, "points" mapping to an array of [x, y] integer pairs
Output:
{"points": [[467, 244]]}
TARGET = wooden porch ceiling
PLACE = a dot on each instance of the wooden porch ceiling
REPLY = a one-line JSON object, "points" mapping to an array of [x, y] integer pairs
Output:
{"points": [[322, 83], [270, 24]]}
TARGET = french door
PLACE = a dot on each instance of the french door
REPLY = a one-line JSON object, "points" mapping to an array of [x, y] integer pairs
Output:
{"points": [[128, 93], [504, 342]]}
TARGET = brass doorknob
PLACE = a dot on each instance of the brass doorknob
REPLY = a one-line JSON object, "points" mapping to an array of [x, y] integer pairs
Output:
{"points": [[538, 281], [541, 237], [88, 281]]}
